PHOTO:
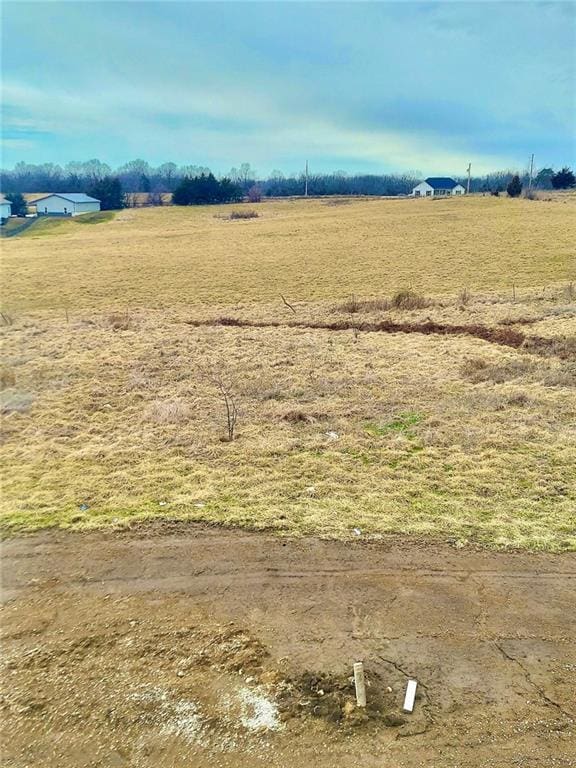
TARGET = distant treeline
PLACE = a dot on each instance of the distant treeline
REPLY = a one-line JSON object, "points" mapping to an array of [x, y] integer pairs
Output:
{"points": [[137, 176]]}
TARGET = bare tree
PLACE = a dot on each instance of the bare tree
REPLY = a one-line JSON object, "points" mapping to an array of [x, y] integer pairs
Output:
{"points": [[155, 197], [254, 194], [245, 172], [229, 399]]}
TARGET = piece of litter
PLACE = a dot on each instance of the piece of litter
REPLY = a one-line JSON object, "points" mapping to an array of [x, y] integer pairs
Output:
{"points": [[163, 503], [357, 531], [332, 435], [84, 507], [410, 696], [311, 490], [388, 689], [200, 504]]}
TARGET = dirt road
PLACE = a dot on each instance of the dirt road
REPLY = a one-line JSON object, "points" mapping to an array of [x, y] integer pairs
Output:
{"points": [[178, 646]]}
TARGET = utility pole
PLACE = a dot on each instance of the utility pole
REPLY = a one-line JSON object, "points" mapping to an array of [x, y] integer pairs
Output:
{"points": [[531, 172], [468, 184], [306, 181]]}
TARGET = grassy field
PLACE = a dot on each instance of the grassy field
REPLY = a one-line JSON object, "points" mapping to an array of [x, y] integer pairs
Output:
{"points": [[307, 250], [112, 414]]}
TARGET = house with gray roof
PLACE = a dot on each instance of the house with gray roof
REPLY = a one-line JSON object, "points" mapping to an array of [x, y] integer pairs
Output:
{"points": [[438, 186], [66, 204]]}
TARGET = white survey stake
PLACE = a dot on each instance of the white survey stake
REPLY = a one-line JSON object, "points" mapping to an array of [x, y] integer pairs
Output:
{"points": [[410, 696]]}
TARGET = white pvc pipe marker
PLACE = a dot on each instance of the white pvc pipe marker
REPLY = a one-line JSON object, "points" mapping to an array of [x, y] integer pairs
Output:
{"points": [[410, 696], [359, 684]]}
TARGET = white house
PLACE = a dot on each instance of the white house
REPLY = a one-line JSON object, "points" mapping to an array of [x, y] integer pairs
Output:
{"points": [[66, 204], [437, 186], [5, 207]]}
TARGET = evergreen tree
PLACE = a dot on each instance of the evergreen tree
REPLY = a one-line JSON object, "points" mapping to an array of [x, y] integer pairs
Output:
{"points": [[109, 192], [564, 179], [145, 185], [514, 188], [19, 207], [205, 189], [543, 178]]}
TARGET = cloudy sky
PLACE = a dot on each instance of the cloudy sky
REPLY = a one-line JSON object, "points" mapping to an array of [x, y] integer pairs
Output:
{"points": [[371, 87]]}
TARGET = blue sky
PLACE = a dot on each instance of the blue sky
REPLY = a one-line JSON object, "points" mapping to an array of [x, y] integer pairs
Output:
{"points": [[371, 87]]}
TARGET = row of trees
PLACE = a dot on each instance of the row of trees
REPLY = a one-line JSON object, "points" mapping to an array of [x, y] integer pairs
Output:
{"points": [[200, 190], [193, 185], [564, 179], [138, 176], [135, 176]]}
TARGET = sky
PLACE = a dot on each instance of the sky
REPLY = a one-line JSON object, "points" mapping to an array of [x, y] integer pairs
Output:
{"points": [[364, 87]]}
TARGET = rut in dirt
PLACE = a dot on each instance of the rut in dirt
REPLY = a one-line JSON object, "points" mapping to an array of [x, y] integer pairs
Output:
{"points": [[564, 348]]}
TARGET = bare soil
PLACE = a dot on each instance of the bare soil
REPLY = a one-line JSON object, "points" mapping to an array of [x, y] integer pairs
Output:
{"points": [[565, 348], [178, 645]]}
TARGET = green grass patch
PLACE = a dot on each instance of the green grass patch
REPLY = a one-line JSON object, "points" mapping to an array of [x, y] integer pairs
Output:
{"points": [[98, 217], [48, 225], [45, 225], [403, 423]]}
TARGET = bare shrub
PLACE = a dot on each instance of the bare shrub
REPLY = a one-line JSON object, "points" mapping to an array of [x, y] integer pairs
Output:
{"points": [[255, 194], [248, 214], [408, 299], [519, 398], [376, 305], [6, 319], [353, 305], [298, 417], [532, 194], [173, 411], [350, 305], [120, 321], [464, 297]]}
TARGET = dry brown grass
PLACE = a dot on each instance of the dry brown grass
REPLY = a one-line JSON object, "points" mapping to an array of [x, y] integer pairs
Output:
{"points": [[303, 249], [175, 411], [107, 406], [121, 420]]}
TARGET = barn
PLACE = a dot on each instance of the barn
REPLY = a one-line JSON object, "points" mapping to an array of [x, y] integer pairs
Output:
{"points": [[438, 186], [5, 208], [66, 204]]}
